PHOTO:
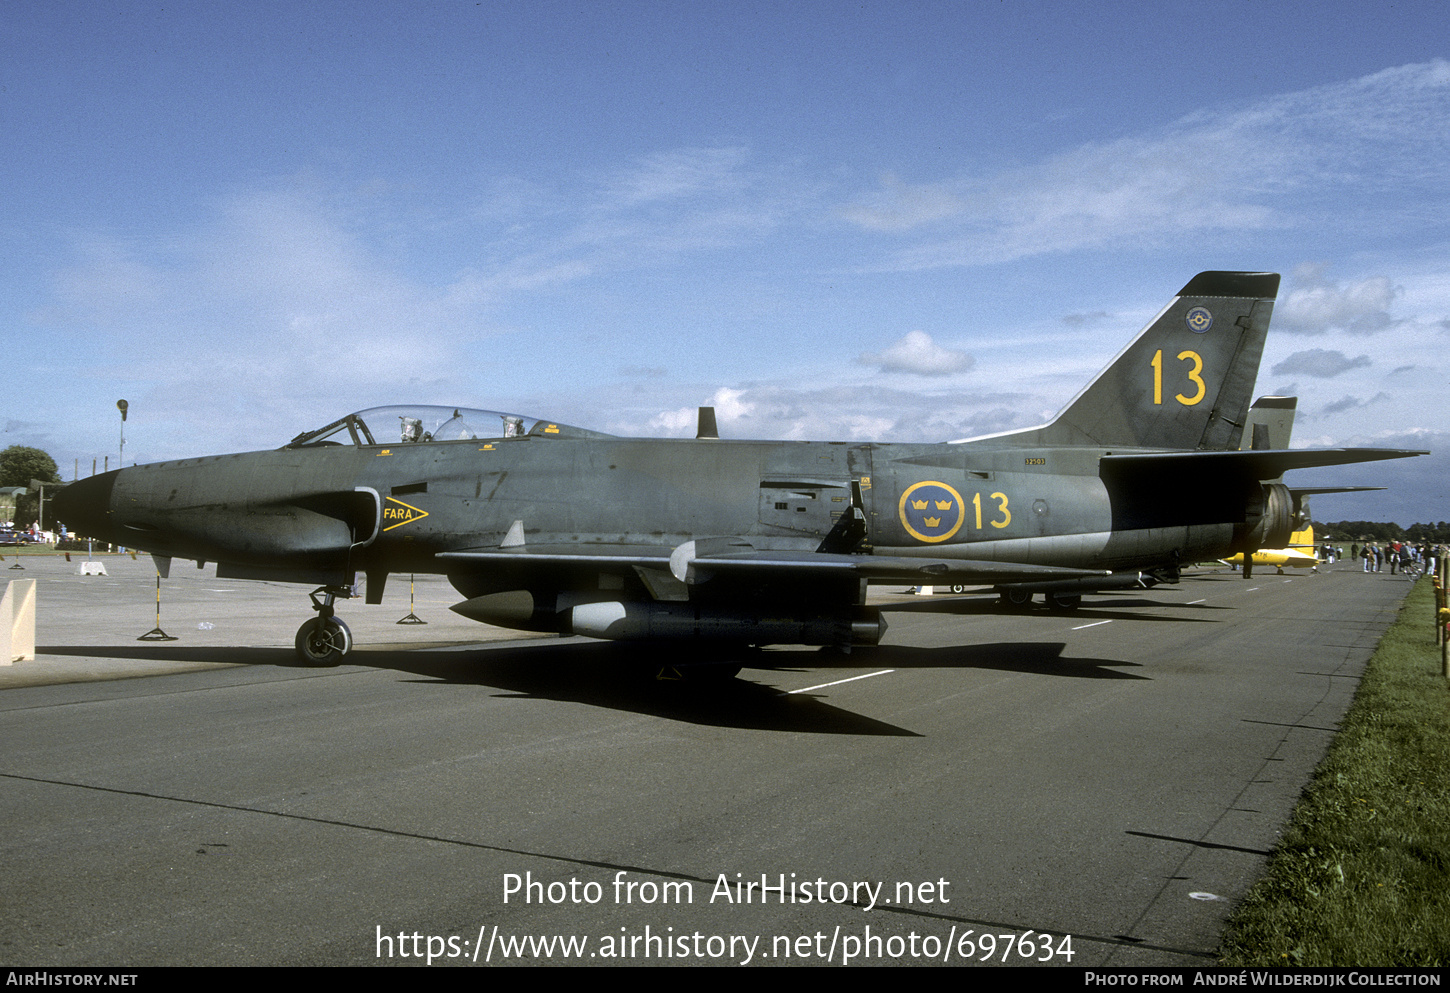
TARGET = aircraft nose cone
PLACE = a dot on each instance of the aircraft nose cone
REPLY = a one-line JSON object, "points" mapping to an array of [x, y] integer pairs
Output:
{"points": [[84, 506]]}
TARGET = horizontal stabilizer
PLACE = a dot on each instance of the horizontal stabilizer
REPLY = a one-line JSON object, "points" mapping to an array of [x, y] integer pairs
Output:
{"points": [[1299, 492]]}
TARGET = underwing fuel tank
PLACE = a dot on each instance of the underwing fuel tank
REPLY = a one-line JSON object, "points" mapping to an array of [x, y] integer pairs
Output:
{"points": [[619, 621], [631, 621]]}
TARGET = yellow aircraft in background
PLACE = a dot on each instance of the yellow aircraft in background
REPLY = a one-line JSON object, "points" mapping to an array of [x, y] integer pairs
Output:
{"points": [[1300, 554]]}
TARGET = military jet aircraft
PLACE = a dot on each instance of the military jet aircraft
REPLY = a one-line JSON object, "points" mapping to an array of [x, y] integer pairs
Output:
{"points": [[1300, 553], [546, 527]]}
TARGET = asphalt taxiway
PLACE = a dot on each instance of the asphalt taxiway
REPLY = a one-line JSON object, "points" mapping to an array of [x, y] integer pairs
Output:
{"points": [[1116, 774]]}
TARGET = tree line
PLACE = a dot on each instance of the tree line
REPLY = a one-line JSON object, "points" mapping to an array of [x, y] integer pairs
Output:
{"points": [[19, 464], [1437, 533]]}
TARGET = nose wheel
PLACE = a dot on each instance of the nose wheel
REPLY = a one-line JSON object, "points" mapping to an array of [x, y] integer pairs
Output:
{"points": [[325, 647], [324, 640]]}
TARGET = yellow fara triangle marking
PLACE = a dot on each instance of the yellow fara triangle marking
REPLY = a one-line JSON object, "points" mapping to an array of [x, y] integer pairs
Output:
{"points": [[403, 513]]}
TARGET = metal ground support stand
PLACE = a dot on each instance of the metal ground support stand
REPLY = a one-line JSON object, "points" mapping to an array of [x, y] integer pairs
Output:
{"points": [[412, 618], [156, 634]]}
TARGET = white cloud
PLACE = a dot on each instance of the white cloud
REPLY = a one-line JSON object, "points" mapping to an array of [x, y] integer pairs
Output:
{"points": [[729, 406], [1348, 403], [849, 411], [680, 174], [1320, 363], [729, 409], [1317, 304], [1276, 164], [917, 354], [673, 423], [1082, 320], [900, 206]]}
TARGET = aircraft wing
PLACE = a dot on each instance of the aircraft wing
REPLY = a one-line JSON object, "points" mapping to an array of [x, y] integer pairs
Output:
{"points": [[1256, 464], [696, 562], [606, 557], [877, 568]]}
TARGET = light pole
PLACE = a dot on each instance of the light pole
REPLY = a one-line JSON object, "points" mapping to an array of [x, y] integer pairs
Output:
{"points": [[122, 406]]}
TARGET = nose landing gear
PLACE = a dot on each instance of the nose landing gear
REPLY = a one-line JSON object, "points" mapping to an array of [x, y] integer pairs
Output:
{"points": [[325, 640]]}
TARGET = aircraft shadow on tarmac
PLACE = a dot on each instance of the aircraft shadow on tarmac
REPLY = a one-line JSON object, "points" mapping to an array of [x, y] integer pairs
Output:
{"points": [[618, 677], [220, 654]]}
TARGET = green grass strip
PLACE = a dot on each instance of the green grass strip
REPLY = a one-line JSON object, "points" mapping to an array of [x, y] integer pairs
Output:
{"points": [[1362, 873]]}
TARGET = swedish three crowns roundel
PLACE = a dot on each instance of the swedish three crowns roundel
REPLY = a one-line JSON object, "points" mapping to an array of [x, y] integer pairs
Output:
{"points": [[931, 511]]}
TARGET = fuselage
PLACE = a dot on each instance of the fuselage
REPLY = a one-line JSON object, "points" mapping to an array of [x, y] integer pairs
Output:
{"points": [[336, 509]]}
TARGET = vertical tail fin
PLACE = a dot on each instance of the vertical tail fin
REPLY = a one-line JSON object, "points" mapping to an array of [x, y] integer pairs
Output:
{"points": [[1270, 424], [1302, 539], [1186, 380]]}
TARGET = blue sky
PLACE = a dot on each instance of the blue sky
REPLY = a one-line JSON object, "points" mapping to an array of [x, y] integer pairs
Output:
{"points": [[900, 221]]}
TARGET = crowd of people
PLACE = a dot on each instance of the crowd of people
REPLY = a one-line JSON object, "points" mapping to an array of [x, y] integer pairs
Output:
{"points": [[1397, 555]]}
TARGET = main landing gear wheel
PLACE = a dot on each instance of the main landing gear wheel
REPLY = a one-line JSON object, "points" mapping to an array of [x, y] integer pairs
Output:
{"points": [[324, 647], [1015, 599], [1064, 601]]}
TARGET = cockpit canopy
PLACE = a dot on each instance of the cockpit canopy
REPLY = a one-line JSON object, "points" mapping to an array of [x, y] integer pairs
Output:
{"points": [[416, 424]]}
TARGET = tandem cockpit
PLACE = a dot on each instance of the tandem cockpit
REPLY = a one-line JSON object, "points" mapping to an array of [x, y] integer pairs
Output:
{"points": [[412, 424]]}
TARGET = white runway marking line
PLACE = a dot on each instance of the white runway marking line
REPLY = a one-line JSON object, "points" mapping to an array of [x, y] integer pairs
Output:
{"points": [[851, 679], [1094, 624]]}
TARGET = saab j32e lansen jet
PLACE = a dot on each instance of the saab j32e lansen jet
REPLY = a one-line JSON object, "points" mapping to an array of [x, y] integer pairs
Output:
{"points": [[546, 527]]}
